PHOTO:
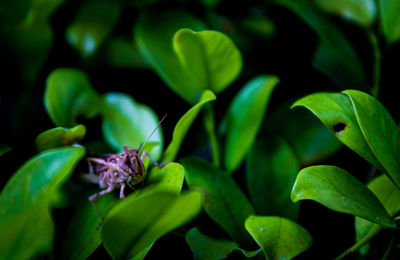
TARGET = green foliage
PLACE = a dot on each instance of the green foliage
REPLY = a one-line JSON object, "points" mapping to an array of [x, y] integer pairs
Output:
{"points": [[59, 136], [4, 148], [390, 19]]}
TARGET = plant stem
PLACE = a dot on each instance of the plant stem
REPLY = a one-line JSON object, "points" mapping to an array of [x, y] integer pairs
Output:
{"points": [[377, 63], [365, 239], [389, 249], [209, 124]]}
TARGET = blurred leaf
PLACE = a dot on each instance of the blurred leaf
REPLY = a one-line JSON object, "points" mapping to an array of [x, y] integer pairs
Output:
{"points": [[388, 194], [223, 200], [362, 12], [210, 3], [127, 122], [268, 182], [390, 19], [44, 8], [210, 58], [137, 222], [25, 202], [153, 35], [59, 136], [308, 137], [13, 12], [82, 238], [68, 95], [278, 237], [184, 124], [204, 247], [244, 118], [337, 190], [336, 112], [335, 56], [169, 178], [93, 22], [120, 53], [379, 130], [4, 148]]}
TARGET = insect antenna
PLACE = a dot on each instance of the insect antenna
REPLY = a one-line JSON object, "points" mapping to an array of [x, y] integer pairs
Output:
{"points": [[148, 138]]}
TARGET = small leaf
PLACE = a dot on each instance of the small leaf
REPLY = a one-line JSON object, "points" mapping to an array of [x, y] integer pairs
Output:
{"points": [[127, 122], [338, 190], [153, 35], [210, 57], [25, 202], [184, 124], [168, 178], [390, 19], [93, 22], [68, 95], [4, 148], [279, 238], [271, 170], [204, 247], [336, 112], [379, 130], [244, 118], [223, 200], [59, 136], [362, 12], [137, 222]]}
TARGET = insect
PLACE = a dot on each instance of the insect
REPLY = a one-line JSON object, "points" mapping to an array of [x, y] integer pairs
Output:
{"points": [[113, 171]]}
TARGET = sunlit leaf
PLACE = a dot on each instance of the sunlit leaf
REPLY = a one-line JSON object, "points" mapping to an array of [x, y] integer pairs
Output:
{"points": [[336, 189], [60, 136], [244, 118], [68, 95], [26, 226], [223, 200], [169, 178], [278, 237]]}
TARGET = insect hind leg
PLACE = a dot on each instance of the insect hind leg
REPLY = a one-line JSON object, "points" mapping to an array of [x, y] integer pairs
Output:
{"points": [[155, 163]]}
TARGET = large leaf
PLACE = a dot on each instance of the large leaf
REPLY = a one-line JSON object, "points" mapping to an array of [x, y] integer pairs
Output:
{"points": [[335, 56], [223, 200], [68, 95], [390, 19], [379, 130], [268, 182], [153, 35], [244, 118], [94, 21], [362, 12], [135, 223], [336, 112], [210, 57], [59, 136], [336, 189], [25, 202], [388, 194], [169, 178], [279, 238], [127, 122], [183, 126]]}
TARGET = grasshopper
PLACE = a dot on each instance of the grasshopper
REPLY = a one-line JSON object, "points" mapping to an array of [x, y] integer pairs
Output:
{"points": [[113, 171]]}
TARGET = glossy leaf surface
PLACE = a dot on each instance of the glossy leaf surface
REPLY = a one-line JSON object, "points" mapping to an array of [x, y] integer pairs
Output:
{"points": [[59, 136]]}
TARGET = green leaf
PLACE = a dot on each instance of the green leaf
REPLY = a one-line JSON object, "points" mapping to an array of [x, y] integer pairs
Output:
{"points": [[127, 122], [168, 178], [390, 19], [379, 130], [278, 237], [183, 126], [223, 200], [244, 118], [137, 222], [388, 194], [362, 12], [82, 237], [93, 22], [336, 112], [68, 95], [59, 136], [335, 55], [4, 148], [268, 182], [26, 226], [204, 247], [210, 58], [338, 190], [153, 35]]}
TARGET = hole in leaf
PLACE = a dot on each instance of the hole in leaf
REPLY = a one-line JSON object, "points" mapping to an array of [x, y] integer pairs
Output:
{"points": [[339, 127]]}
